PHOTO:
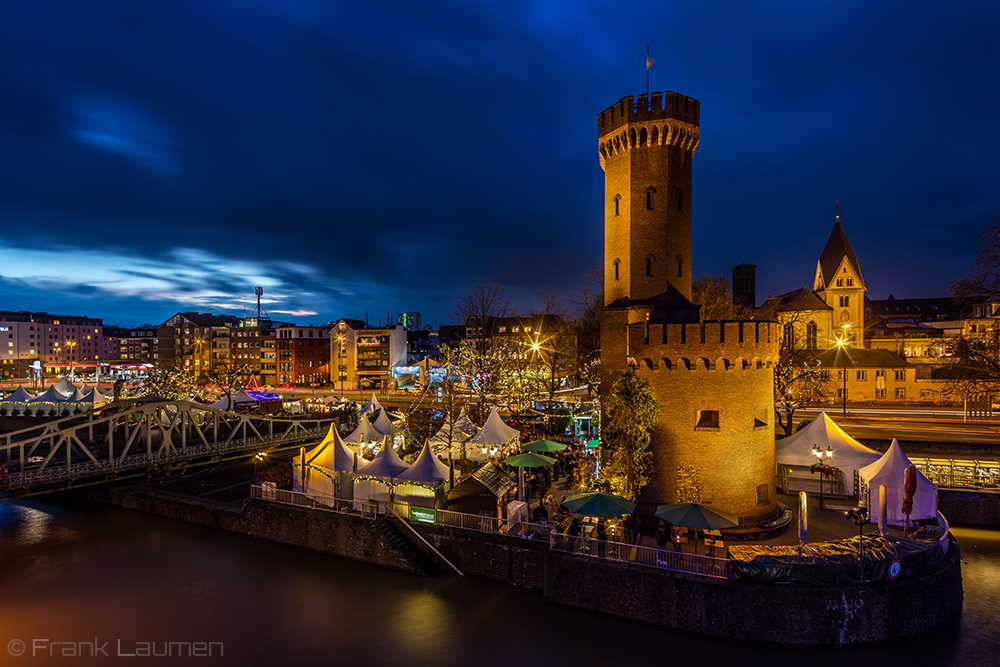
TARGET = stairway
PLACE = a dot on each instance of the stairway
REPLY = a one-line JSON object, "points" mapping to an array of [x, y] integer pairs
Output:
{"points": [[416, 557]]}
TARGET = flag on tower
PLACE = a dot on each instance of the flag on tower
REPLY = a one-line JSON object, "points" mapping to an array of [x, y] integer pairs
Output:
{"points": [[649, 61]]}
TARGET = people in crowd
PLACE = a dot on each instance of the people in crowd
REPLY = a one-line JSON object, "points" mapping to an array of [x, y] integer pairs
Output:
{"points": [[661, 535]]}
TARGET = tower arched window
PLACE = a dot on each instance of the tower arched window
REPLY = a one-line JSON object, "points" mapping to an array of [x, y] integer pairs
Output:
{"points": [[618, 201], [649, 266], [680, 200], [845, 302], [811, 335], [618, 264], [650, 191], [680, 266]]}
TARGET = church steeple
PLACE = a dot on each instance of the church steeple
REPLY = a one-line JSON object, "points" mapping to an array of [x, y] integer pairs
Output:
{"points": [[840, 284]]}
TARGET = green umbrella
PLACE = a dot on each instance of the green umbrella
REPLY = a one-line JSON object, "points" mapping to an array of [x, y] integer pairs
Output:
{"points": [[543, 446], [599, 504], [696, 515], [529, 460]]}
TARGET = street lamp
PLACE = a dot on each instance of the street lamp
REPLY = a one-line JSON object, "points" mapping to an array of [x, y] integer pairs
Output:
{"points": [[859, 515], [70, 344], [821, 454], [259, 457]]}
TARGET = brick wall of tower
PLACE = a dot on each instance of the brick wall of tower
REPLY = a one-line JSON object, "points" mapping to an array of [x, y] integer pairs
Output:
{"points": [[711, 367]]}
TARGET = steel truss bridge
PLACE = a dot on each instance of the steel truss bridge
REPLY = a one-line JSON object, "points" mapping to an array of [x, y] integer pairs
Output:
{"points": [[138, 438]]}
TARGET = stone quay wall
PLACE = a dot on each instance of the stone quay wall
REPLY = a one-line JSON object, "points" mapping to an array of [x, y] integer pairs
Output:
{"points": [[782, 614]]}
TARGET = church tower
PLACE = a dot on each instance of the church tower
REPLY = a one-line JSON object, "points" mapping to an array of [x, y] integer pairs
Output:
{"points": [[646, 148], [839, 283], [714, 439]]}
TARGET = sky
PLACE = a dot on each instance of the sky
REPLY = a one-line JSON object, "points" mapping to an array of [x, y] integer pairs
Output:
{"points": [[358, 159]]}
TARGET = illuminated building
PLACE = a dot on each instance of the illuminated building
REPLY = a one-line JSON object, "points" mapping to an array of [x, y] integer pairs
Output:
{"points": [[303, 354], [714, 440]]}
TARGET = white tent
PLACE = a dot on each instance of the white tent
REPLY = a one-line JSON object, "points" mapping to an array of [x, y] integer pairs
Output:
{"points": [[99, 397], [51, 395], [463, 430], [890, 471], [328, 468], [422, 484], [795, 454], [494, 434], [375, 480], [239, 399], [16, 402], [65, 387], [364, 434], [384, 426], [372, 406]]}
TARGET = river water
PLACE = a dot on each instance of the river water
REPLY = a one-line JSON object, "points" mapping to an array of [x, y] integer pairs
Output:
{"points": [[90, 575]]}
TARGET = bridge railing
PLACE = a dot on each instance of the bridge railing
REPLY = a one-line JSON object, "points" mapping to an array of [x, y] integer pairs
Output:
{"points": [[56, 472]]}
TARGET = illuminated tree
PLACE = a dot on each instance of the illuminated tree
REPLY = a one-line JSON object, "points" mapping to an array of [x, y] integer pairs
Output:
{"points": [[173, 383], [631, 412]]}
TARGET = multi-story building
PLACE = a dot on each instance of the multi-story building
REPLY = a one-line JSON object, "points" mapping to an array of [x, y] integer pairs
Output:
{"points": [[138, 346], [410, 321], [56, 342], [364, 357], [303, 354]]}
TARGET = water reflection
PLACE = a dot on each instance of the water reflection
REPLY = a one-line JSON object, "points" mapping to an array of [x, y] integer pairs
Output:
{"points": [[73, 571]]}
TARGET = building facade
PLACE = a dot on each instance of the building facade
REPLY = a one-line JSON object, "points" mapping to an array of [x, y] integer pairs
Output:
{"points": [[363, 357], [56, 342], [714, 440], [303, 355]]}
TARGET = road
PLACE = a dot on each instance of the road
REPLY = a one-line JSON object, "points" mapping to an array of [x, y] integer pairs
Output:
{"points": [[913, 424]]}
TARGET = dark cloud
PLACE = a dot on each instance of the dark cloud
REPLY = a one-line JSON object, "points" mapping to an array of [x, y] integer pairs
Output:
{"points": [[381, 157]]}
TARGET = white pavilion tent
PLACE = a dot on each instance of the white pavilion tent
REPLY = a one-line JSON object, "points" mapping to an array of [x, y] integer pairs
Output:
{"points": [[494, 434], [890, 471], [327, 471], [375, 480], [384, 426], [422, 484], [364, 435], [66, 387], [372, 406], [463, 430], [16, 403], [793, 456], [51, 400], [239, 399]]}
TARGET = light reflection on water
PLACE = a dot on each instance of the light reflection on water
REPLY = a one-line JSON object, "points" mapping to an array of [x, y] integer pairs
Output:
{"points": [[72, 571]]}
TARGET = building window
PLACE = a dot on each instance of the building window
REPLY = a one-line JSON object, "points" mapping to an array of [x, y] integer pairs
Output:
{"points": [[841, 374], [650, 191], [900, 392], [618, 263], [618, 201], [840, 283], [708, 419], [680, 201], [880, 393], [850, 282], [824, 376], [845, 302], [901, 375], [811, 335], [840, 392], [862, 376], [680, 267], [649, 266]]}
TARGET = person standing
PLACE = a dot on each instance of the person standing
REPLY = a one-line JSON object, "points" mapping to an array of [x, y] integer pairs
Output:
{"points": [[602, 536], [661, 535]]}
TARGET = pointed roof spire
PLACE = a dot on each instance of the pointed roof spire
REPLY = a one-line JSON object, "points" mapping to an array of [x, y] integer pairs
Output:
{"points": [[837, 248]]}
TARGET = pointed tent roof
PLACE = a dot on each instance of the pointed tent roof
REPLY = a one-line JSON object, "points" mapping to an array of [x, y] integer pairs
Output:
{"points": [[494, 432], [822, 432], [383, 425], [365, 432], [51, 395], [426, 469], [837, 248], [464, 429], [238, 398], [333, 454], [891, 468], [98, 395], [372, 406], [65, 387], [80, 396], [386, 464], [19, 396]]}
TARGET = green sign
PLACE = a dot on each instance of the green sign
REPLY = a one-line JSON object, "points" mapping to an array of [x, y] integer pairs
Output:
{"points": [[422, 515]]}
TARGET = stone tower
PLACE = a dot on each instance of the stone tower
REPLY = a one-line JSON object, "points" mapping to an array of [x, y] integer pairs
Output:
{"points": [[714, 440], [745, 285], [839, 283]]}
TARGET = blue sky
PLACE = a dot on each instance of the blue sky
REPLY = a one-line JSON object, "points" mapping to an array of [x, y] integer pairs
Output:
{"points": [[164, 156]]}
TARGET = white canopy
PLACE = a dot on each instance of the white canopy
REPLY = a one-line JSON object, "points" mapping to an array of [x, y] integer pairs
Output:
{"points": [[385, 465], [99, 398], [890, 471], [463, 430], [848, 454], [426, 469], [65, 387], [372, 406], [238, 398], [332, 454], [364, 433], [383, 425], [51, 395], [494, 433], [19, 396], [80, 396]]}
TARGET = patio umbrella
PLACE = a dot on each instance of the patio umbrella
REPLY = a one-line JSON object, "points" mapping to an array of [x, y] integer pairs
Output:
{"points": [[909, 489], [599, 504], [543, 446], [697, 516], [529, 460]]}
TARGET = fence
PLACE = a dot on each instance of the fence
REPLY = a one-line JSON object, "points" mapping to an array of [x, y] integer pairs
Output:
{"points": [[674, 561]]}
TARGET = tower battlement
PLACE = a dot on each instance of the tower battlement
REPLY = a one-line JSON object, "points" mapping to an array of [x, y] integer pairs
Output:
{"points": [[712, 345], [657, 107]]}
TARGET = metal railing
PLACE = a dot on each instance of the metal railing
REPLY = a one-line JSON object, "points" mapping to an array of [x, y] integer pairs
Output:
{"points": [[705, 566]]}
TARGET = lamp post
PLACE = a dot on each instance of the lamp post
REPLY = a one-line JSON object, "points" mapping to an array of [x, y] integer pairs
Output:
{"points": [[341, 338], [842, 345], [259, 457], [821, 454], [70, 344]]}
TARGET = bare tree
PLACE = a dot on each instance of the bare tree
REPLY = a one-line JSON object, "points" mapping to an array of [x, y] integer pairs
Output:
{"points": [[984, 278], [589, 302], [798, 379], [715, 296]]}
